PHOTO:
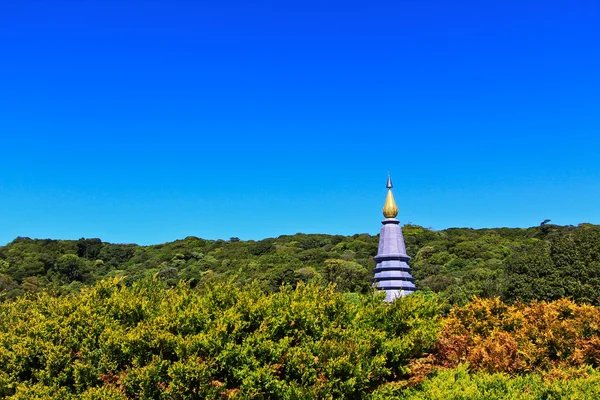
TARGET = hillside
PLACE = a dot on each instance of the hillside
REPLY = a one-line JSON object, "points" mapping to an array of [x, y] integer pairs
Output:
{"points": [[196, 319], [547, 262]]}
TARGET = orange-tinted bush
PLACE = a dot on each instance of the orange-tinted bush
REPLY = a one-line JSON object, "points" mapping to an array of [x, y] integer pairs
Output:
{"points": [[496, 337]]}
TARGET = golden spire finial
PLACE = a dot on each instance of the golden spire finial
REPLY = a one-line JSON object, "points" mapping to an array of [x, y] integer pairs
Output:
{"points": [[390, 210]]}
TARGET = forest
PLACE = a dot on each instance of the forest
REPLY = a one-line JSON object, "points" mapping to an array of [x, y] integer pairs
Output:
{"points": [[501, 313], [547, 262]]}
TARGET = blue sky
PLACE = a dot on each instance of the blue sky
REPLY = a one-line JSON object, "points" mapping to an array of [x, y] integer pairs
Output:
{"points": [[147, 121]]}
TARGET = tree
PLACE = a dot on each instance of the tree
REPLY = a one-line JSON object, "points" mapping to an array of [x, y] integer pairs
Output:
{"points": [[71, 267], [348, 276], [89, 248]]}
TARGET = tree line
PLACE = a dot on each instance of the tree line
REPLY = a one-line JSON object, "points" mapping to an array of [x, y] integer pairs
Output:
{"points": [[546, 262]]}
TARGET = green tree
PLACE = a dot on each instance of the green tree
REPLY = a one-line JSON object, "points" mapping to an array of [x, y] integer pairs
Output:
{"points": [[348, 276], [71, 267]]}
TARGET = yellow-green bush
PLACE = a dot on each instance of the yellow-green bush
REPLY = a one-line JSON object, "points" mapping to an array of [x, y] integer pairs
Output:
{"points": [[152, 342], [459, 383]]}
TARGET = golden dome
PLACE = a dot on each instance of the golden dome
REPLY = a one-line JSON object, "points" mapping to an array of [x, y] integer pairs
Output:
{"points": [[390, 210]]}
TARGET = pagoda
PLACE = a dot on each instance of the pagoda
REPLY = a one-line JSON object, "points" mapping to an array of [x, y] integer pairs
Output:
{"points": [[392, 272]]}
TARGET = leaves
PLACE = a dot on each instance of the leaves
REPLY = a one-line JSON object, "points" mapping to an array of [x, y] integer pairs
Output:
{"points": [[152, 341], [495, 337]]}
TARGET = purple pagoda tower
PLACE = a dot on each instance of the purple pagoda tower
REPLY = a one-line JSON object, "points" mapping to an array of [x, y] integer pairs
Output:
{"points": [[392, 272]]}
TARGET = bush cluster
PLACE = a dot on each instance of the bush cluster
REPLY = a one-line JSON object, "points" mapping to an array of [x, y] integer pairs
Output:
{"points": [[461, 383], [495, 337], [149, 341]]}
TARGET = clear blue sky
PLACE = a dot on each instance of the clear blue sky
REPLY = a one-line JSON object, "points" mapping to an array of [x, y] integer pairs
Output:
{"points": [[148, 121]]}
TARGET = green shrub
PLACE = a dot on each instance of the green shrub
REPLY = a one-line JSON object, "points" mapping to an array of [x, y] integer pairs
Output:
{"points": [[151, 342], [458, 383]]}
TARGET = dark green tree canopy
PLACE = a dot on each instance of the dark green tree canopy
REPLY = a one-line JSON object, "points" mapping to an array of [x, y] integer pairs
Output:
{"points": [[544, 262]]}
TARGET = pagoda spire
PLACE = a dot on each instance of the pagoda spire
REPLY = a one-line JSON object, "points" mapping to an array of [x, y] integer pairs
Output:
{"points": [[390, 210], [392, 272]]}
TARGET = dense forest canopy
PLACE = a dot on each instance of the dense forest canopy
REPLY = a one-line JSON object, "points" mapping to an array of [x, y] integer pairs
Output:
{"points": [[547, 262]]}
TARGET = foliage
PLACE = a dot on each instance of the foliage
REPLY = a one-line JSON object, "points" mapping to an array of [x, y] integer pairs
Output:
{"points": [[149, 341], [564, 262], [495, 337], [155, 341], [347, 275], [547, 262], [458, 383]]}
